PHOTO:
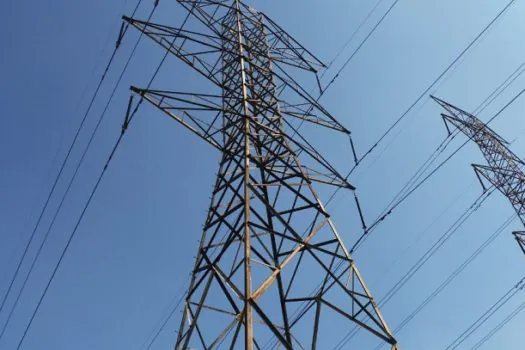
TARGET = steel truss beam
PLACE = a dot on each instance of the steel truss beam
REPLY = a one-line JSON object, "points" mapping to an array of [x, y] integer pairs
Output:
{"points": [[271, 267], [504, 169]]}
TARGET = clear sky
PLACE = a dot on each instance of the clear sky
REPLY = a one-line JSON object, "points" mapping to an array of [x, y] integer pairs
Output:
{"points": [[134, 250]]}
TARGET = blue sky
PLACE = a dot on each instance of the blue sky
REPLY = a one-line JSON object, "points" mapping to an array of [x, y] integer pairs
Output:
{"points": [[134, 249]]}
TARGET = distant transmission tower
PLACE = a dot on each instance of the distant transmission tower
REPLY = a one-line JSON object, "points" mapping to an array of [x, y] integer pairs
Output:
{"points": [[271, 269], [504, 169]]}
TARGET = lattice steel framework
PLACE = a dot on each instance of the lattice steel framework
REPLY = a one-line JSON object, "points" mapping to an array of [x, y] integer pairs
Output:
{"points": [[271, 266], [504, 169]]}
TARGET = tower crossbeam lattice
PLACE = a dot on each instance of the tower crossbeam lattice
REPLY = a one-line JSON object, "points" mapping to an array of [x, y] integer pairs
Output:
{"points": [[504, 170], [271, 268]]}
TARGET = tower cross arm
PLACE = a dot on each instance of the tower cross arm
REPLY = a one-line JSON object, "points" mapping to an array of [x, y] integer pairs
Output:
{"points": [[287, 49], [182, 107], [282, 46], [198, 50]]}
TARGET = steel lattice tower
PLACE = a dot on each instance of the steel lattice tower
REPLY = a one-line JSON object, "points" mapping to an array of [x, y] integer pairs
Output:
{"points": [[504, 169], [271, 266]]}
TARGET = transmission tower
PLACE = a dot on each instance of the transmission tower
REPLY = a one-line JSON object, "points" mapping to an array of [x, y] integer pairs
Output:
{"points": [[271, 269], [504, 169]]}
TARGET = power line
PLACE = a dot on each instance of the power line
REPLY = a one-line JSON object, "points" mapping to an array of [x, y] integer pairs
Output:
{"points": [[163, 325], [437, 245], [389, 210], [486, 315], [64, 196], [497, 328], [62, 167], [430, 160], [453, 275], [421, 106], [501, 88], [436, 80], [345, 64], [452, 67], [439, 150], [481, 107], [53, 187], [86, 149], [354, 33], [166, 319], [355, 330], [452, 229], [426, 230], [442, 146], [390, 142], [374, 28], [129, 117], [78, 167], [420, 172], [64, 250], [443, 239]]}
